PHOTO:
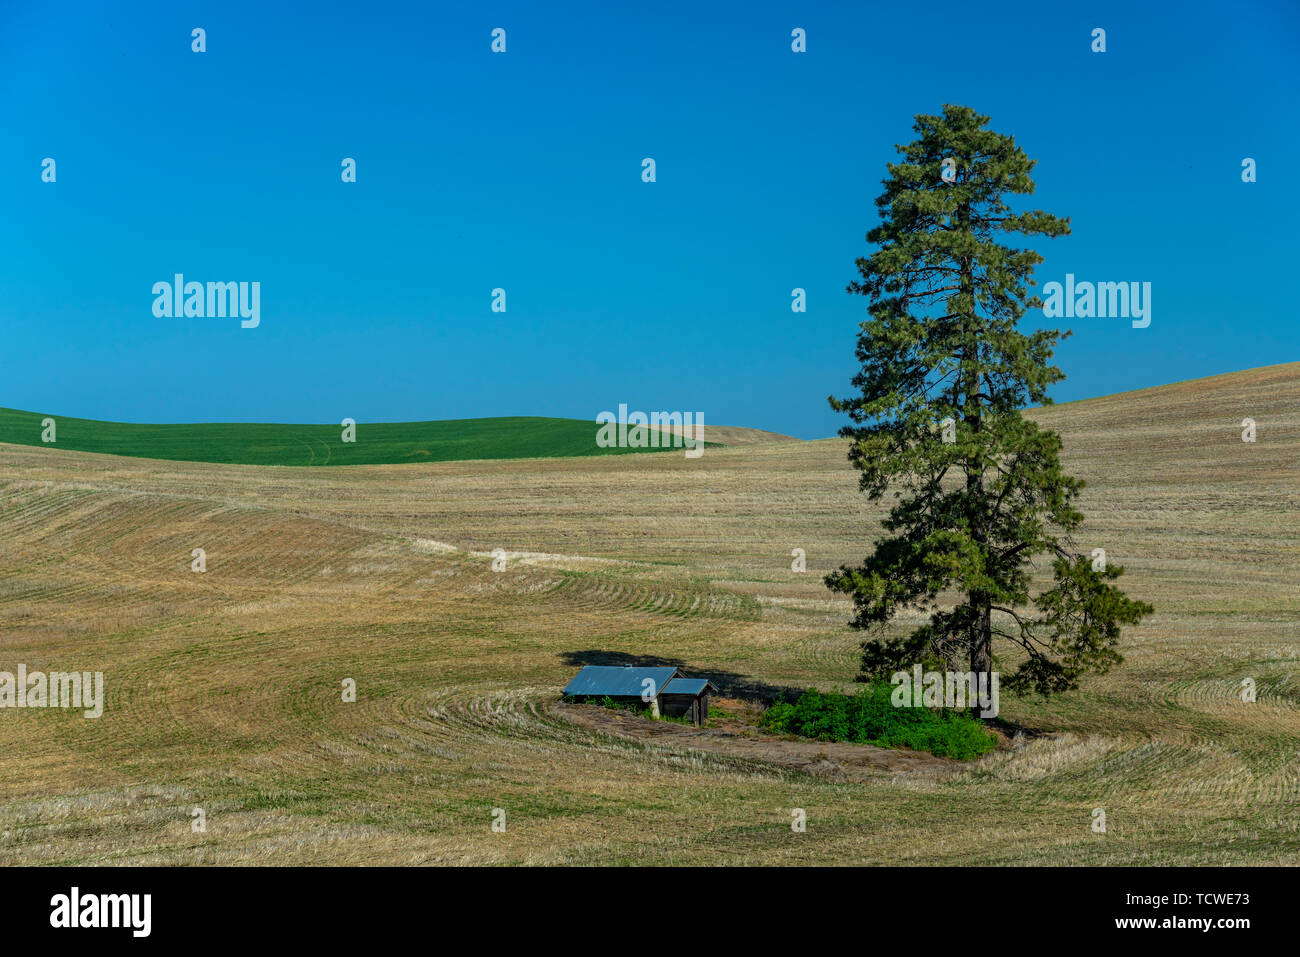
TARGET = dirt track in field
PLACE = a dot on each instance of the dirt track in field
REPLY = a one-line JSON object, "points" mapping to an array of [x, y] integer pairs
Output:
{"points": [[833, 760]]}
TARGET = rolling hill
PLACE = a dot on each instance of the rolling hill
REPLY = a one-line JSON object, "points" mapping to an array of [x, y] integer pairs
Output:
{"points": [[223, 687], [377, 443]]}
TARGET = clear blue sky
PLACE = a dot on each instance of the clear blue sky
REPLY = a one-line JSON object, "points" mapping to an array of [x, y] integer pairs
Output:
{"points": [[523, 171]]}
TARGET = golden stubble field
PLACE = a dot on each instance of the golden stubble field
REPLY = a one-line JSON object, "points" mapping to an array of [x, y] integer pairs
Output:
{"points": [[224, 688]]}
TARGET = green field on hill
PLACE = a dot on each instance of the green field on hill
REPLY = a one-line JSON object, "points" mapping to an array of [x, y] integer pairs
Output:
{"points": [[378, 443]]}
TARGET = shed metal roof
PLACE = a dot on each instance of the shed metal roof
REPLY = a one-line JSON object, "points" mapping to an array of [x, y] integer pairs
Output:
{"points": [[690, 686], [618, 682]]}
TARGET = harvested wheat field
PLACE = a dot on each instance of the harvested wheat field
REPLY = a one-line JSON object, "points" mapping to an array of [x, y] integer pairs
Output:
{"points": [[223, 689]]}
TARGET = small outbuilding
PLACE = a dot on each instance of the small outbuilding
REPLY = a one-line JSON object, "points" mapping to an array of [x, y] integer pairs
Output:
{"points": [[687, 696], [665, 689]]}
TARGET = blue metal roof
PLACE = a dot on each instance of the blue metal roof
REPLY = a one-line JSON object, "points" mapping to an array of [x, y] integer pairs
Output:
{"points": [[618, 682], [690, 686]]}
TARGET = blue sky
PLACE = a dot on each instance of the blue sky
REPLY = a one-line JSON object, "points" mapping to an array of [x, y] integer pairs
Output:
{"points": [[523, 171]]}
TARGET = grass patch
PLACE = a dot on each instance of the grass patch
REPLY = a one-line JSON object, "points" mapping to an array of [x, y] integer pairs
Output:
{"points": [[868, 717]]}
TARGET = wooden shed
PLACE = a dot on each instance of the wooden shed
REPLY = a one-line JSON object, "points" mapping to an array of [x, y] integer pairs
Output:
{"points": [[665, 689], [687, 696]]}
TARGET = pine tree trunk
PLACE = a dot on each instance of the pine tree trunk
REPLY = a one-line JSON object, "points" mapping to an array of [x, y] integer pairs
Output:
{"points": [[981, 648], [980, 632]]}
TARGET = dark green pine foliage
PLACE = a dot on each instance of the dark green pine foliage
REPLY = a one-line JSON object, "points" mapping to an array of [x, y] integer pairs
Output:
{"points": [[980, 495]]}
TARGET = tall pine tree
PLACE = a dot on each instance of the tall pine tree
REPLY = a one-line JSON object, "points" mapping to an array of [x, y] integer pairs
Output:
{"points": [[937, 420]]}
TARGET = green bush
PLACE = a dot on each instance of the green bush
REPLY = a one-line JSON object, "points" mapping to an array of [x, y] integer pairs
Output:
{"points": [[868, 717]]}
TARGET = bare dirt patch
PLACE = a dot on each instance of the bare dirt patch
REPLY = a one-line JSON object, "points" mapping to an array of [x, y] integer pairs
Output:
{"points": [[733, 734]]}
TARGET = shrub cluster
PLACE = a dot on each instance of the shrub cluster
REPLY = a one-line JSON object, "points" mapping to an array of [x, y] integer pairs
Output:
{"points": [[868, 717]]}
